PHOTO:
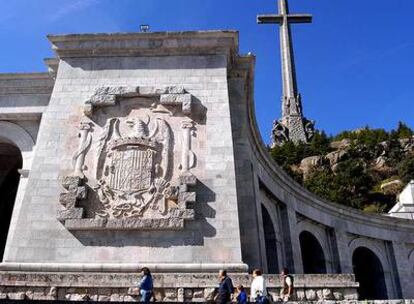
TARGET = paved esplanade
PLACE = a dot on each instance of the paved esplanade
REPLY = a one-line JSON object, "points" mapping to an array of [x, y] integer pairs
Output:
{"points": [[293, 126]]}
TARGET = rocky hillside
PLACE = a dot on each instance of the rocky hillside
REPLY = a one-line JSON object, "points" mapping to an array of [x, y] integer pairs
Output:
{"points": [[364, 168]]}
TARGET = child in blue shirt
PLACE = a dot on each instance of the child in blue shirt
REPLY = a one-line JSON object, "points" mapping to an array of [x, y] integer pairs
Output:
{"points": [[242, 296]]}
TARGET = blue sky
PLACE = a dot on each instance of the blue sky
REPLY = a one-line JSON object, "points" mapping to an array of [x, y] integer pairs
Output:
{"points": [[355, 62]]}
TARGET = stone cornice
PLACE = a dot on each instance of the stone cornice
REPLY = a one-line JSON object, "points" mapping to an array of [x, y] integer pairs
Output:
{"points": [[26, 83], [121, 268], [23, 76], [52, 66], [146, 44], [35, 90]]}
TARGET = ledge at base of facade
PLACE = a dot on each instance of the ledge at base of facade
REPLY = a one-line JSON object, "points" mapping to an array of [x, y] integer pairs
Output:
{"points": [[169, 287]]}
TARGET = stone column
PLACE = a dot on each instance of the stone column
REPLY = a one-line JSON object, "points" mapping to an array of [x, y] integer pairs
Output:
{"points": [[334, 265], [403, 272], [297, 254], [344, 255], [259, 222]]}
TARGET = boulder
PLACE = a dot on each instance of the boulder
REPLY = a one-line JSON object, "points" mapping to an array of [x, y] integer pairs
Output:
{"points": [[335, 157], [340, 144], [392, 187], [380, 163], [309, 163], [407, 144]]}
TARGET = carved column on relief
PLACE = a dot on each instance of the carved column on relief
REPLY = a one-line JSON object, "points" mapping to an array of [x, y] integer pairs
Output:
{"points": [[78, 159], [187, 155]]}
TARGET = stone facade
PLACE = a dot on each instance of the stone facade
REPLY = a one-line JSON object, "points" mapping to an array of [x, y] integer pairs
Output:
{"points": [[142, 150], [145, 106]]}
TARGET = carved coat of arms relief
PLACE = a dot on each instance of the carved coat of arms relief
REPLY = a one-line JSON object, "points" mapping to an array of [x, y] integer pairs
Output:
{"points": [[133, 177]]}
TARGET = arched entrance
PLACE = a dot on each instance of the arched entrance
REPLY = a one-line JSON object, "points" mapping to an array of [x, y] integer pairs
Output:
{"points": [[313, 258], [369, 273], [270, 242], [10, 162]]}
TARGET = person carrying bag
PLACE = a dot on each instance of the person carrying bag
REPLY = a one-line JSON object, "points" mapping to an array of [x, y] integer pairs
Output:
{"points": [[258, 290]]}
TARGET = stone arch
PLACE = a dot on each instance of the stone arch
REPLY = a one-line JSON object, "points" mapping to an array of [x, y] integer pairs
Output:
{"points": [[16, 135], [270, 239], [274, 208], [373, 246], [320, 234], [313, 255], [10, 164], [369, 273], [379, 252], [13, 135]]}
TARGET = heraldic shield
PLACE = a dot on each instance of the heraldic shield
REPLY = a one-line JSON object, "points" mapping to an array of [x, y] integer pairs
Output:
{"points": [[133, 179], [131, 168]]}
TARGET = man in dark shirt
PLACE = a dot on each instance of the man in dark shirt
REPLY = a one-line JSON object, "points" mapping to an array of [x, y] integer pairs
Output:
{"points": [[146, 285], [226, 289]]}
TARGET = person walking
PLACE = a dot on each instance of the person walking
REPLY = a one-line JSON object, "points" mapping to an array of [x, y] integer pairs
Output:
{"points": [[242, 295], [286, 281], [258, 291], [146, 285], [226, 289]]}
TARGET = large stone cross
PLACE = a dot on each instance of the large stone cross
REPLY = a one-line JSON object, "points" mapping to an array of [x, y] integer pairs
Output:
{"points": [[293, 126]]}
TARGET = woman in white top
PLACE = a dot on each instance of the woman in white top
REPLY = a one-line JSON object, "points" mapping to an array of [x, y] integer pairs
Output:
{"points": [[258, 287]]}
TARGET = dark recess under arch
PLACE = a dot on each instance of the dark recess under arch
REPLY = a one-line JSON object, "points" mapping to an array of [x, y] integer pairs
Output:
{"points": [[10, 163], [270, 242], [313, 258], [369, 273]]}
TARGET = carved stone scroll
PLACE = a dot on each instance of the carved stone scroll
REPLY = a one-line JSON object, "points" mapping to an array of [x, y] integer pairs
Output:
{"points": [[78, 158], [187, 156], [280, 133]]}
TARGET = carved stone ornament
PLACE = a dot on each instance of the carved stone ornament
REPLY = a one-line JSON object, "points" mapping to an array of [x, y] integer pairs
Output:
{"points": [[280, 133], [295, 129], [309, 128], [133, 180]]}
